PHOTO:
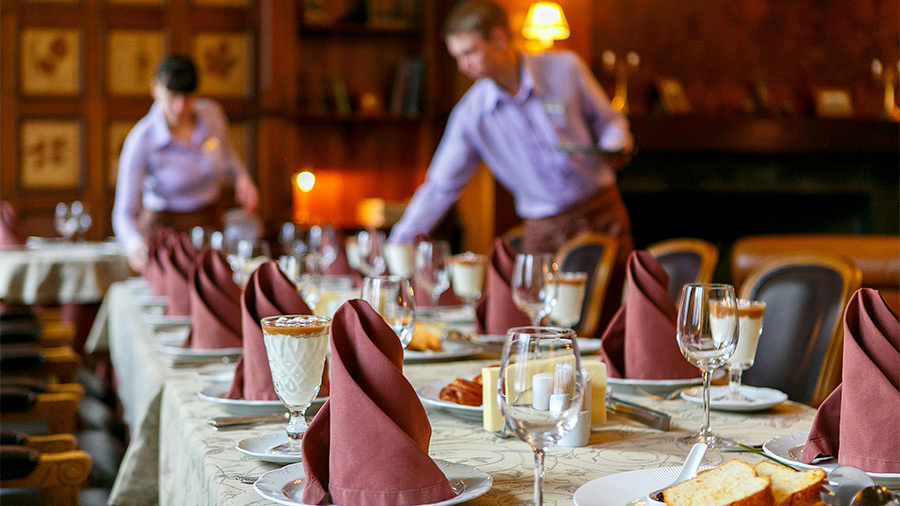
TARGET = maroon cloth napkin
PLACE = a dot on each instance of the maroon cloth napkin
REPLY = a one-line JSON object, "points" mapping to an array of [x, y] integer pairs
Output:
{"points": [[373, 412], [10, 232], [157, 248], [860, 421], [268, 293], [639, 342], [340, 266], [215, 303], [496, 312], [176, 267]]}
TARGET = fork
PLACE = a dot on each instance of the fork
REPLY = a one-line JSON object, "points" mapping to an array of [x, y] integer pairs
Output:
{"points": [[668, 397]]}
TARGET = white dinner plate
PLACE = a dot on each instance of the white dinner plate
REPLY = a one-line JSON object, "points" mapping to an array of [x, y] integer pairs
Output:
{"points": [[451, 349], [655, 387], [454, 314], [216, 373], [629, 488], [148, 300], [171, 345], [285, 486], [763, 398], [260, 447], [431, 394], [217, 391], [161, 321], [789, 449], [585, 346]]}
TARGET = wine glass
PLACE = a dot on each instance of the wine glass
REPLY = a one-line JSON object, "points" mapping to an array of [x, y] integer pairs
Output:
{"points": [[323, 242], [64, 220], [535, 285], [370, 252], [295, 347], [707, 332], [467, 273], [750, 321], [392, 298], [249, 256], [570, 299], [432, 274], [540, 389]]}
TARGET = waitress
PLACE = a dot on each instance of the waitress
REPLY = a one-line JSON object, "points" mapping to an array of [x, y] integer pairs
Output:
{"points": [[175, 162]]}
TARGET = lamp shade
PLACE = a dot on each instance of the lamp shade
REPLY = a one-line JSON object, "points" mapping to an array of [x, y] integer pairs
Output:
{"points": [[545, 22]]}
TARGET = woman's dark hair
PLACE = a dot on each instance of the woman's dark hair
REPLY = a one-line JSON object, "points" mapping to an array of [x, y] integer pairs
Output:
{"points": [[177, 73]]}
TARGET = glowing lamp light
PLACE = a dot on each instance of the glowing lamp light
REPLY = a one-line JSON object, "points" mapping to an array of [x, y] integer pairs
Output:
{"points": [[545, 23], [306, 180], [302, 183]]}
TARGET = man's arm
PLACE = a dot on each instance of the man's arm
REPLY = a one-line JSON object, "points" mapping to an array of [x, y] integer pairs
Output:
{"points": [[451, 168], [245, 191], [609, 125]]}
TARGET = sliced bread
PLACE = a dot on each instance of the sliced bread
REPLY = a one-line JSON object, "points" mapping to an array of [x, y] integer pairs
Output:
{"points": [[733, 483], [792, 488]]}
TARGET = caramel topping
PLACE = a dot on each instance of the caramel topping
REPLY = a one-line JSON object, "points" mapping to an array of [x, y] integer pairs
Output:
{"points": [[720, 310], [469, 259], [754, 311], [573, 278], [295, 327]]}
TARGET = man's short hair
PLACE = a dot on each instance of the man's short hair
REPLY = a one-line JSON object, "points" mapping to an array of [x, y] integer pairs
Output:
{"points": [[476, 15], [177, 73]]}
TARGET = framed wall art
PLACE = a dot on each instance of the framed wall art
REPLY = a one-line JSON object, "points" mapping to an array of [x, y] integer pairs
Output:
{"points": [[222, 3], [116, 131], [226, 64], [833, 103], [50, 154], [50, 61], [132, 56]]}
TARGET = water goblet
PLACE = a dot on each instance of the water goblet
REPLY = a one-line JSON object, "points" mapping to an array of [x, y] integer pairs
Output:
{"points": [[432, 275], [750, 320], [370, 252], [249, 256], [707, 333], [570, 299], [324, 243], [467, 273], [296, 347], [535, 285], [540, 389], [392, 298]]}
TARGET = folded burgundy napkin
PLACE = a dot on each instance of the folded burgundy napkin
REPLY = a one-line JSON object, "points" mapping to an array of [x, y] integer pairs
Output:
{"points": [[268, 293], [340, 266], [176, 267], [157, 248], [639, 342], [10, 232], [496, 312], [860, 421], [373, 412], [215, 303]]}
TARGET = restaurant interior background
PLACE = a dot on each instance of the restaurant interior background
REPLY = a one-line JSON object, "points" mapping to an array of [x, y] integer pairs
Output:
{"points": [[751, 133]]}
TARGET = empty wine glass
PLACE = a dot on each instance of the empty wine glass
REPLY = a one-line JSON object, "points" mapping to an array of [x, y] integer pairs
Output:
{"points": [[324, 242], [707, 333], [370, 252], [65, 221], [750, 320], [392, 298], [535, 285], [290, 238], [540, 389], [432, 273], [295, 347], [249, 255]]}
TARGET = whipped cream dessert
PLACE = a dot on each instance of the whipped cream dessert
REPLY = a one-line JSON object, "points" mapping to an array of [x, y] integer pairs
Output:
{"points": [[569, 298], [467, 272], [296, 347], [750, 318]]}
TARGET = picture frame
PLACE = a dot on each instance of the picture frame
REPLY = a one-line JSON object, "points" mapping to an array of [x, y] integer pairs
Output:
{"points": [[50, 61], [672, 99], [50, 154], [116, 132], [137, 2], [241, 134], [226, 62], [833, 103], [222, 3], [132, 56]]}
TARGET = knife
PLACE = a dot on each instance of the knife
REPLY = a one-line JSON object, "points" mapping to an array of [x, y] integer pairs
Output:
{"points": [[233, 421], [647, 416]]}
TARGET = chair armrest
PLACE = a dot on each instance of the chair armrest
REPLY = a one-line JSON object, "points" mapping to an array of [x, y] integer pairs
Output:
{"points": [[66, 469]]}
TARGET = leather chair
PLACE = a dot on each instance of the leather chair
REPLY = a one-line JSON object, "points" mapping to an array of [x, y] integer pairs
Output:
{"points": [[685, 260], [800, 349], [514, 237], [595, 254], [877, 256]]}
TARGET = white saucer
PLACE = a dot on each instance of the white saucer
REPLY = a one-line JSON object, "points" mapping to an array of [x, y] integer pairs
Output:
{"points": [[148, 300], [260, 446], [431, 394], [217, 391], [763, 398], [159, 321], [451, 350], [789, 448], [285, 486], [172, 346], [217, 373], [628, 488], [655, 387], [585, 346]]}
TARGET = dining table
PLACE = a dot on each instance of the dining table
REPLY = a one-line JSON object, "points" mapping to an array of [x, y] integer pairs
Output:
{"points": [[175, 457]]}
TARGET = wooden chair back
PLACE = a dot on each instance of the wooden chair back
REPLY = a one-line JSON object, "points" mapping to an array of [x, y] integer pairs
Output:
{"points": [[686, 260], [595, 254]]}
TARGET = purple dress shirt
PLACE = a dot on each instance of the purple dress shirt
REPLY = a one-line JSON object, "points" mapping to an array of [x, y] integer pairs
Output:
{"points": [[559, 102], [160, 173]]}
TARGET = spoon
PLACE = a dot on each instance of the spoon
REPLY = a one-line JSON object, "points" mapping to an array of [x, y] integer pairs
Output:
{"points": [[842, 484], [688, 470], [876, 495]]}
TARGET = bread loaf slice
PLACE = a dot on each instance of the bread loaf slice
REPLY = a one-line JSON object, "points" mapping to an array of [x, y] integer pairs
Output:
{"points": [[733, 483], [792, 488]]}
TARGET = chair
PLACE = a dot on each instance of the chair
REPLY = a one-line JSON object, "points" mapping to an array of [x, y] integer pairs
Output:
{"points": [[59, 475], [685, 260], [595, 254], [59, 364], [514, 237], [800, 349], [55, 406]]}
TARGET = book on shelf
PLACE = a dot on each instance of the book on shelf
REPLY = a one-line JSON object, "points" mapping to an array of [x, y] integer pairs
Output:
{"points": [[407, 87], [338, 98]]}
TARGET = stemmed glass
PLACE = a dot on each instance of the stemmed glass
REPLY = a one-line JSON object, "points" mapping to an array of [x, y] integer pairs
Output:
{"points": [[323, 242], [535, 285], [249, 256], [370, 249], [432, 274], [392, 298], [295, 347], [467, 273], [540, 389], [66, 219], [750, 320], [570, 299], [707, 332]]}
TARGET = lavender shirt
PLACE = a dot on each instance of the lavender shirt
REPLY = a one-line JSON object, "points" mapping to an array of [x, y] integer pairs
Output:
{"points": [[559, 102], [160, 173]]}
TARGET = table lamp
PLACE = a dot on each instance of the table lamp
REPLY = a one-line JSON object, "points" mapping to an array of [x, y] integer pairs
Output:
{"points": [[303, 183], [545, 23]]}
